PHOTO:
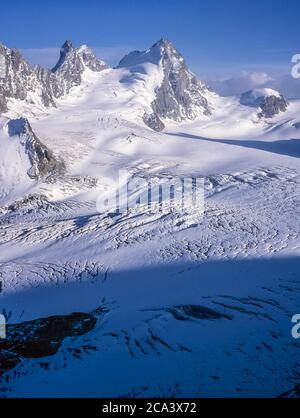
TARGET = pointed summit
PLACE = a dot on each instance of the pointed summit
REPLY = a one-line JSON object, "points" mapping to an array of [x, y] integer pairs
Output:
{"points": [[67, 46], [79, 58], [164, 43], [161, 52], [66, 49], [162, 49], [71, 65], [180, 95]]}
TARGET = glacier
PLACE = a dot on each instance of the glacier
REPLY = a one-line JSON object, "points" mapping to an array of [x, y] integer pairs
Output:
{"points": [[147, 304]]}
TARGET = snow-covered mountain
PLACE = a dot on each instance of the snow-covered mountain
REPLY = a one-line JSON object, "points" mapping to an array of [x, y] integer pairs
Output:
{"points": [[184, 303], [39, 86], [179, 95], [71, 65], [269, 102], [19, 81]]}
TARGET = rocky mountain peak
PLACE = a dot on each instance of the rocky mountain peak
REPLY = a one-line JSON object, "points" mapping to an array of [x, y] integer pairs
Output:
{"points": [[181, 95], [40, 86], [269, 102], [167, 50], [65, 50], [67, 46], [18, 80], [70, 67], [77, 59], [160, 51]]}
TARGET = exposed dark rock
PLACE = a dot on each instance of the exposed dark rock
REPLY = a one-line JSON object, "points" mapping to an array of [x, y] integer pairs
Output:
{"points": [[3, 104], [8, 360], [181, 94], [271, 106], [29, 202], [268, 102], [41, 337]]}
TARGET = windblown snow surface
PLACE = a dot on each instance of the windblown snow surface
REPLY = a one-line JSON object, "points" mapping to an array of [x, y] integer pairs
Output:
{"points": [[187, 305]]}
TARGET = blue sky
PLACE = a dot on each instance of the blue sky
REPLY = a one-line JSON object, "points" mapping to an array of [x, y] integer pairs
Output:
{"points": [[217, 37]]}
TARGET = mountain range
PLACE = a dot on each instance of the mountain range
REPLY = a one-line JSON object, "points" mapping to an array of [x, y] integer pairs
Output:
{"points": [[145, 303]]}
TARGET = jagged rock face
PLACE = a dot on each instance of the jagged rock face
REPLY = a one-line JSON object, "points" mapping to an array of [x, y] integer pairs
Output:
{"points": [[181, 95], [43, 163], [49, 81], [72, 63], [19, 81], [152, 120], [3, 104], [272, 106], [269, 102]]}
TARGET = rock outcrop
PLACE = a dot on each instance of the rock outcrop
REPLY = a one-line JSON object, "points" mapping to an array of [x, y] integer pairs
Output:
{"points": [[41, 338], [268, 102], [18, 80], [43, 162]]}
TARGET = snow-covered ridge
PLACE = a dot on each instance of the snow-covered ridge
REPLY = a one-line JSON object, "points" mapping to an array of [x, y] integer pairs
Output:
{"points": [[163, 49], [159, 87], [41, 87], [24, 159], [173, 92], [41, 159]]}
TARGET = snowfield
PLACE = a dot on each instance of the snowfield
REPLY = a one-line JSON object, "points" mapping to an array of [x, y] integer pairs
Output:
{"points": [[186, 305]]}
